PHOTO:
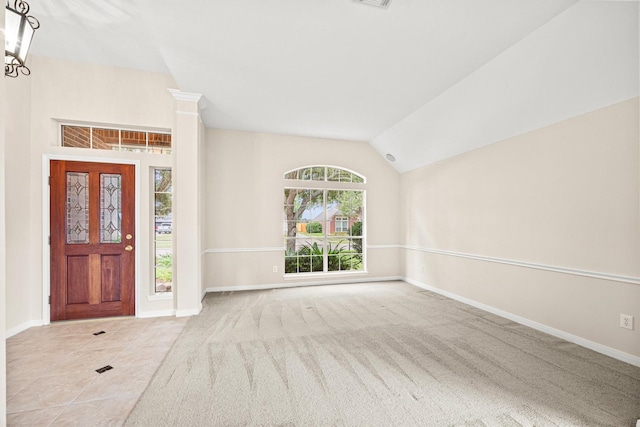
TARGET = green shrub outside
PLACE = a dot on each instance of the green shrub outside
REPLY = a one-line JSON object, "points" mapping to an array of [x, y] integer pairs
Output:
{"points": [[164, 268], [308, 259], [356, 230], [314, 227]]}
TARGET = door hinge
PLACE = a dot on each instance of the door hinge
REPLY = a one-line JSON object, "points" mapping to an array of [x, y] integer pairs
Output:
{"points": [[49, 299], [49, 180], [49, 239]]}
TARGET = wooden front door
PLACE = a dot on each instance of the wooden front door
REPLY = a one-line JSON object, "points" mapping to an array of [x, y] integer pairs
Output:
{"points": [[92, 240]]}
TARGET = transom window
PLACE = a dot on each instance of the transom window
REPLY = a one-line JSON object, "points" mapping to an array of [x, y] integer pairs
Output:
{"points": [[98, 138], [323, 221], [324, 173]]}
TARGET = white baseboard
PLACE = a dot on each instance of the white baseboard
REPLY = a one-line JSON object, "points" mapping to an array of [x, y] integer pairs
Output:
{"points": [[157, 313], [187, 313], [600, 348], [301, 284], [16, 330]]}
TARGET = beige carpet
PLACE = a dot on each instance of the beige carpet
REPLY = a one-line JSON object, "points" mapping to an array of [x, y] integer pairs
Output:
{"points": [[379, 354]]}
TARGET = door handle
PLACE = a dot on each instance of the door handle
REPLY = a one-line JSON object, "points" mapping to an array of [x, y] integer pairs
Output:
{"points": [[128, 248]]}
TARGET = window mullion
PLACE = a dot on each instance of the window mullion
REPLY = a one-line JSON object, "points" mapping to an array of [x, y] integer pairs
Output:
{"points": [[325, 242]]}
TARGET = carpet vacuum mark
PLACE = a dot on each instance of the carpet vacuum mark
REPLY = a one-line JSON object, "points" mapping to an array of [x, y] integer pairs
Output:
{"points": [[377, 354]]}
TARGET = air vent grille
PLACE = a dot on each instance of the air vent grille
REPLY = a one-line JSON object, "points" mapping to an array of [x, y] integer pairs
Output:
{"points": [[379, 3]]}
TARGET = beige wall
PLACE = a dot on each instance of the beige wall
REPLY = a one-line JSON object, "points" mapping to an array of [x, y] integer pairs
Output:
{"points": [[244, 196], [18, 214], [62, 90], [565, 196], [3, 298], [67, 91]]}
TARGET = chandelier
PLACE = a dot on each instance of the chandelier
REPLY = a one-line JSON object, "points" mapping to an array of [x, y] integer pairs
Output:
{"points": [[18, 32]]}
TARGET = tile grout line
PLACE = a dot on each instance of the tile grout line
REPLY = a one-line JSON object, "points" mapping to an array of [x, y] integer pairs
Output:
{"points": [[29, 345]]}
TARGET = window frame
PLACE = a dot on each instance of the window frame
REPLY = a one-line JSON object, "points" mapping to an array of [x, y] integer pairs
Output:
{"points": [[154, 234], [327, 186], [326, 167]]}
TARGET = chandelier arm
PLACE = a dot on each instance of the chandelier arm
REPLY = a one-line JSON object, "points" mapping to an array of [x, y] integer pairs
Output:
{"points": [[20, 6], [35, 24]]}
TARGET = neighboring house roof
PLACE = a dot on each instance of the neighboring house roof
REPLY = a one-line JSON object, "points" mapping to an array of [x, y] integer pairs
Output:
{"points": [[331, 212]]}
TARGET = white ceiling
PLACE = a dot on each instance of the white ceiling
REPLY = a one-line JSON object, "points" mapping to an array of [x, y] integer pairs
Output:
{"points": [[422, 79]]}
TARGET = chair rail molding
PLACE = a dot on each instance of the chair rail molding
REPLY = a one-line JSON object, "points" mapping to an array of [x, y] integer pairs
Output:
{"points": [[556, 269]]}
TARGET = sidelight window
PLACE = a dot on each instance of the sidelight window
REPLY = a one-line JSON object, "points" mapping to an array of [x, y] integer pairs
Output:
{"points": [[163, 229]]}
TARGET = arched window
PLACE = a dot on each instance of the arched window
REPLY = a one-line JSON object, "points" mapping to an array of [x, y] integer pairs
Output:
{"points": [[323, 220]]}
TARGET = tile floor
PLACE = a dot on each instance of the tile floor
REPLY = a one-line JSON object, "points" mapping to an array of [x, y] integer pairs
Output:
{"points": [[51, 370]]}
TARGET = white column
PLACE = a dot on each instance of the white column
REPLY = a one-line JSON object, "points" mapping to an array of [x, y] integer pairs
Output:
{"points": [[187, 221]]}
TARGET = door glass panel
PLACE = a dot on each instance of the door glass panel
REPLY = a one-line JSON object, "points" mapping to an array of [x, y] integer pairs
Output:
{"points": [[77, 207], [110, 208]]}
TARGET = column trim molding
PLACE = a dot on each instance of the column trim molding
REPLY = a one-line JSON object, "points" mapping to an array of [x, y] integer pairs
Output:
{"points": [[189, 97]]}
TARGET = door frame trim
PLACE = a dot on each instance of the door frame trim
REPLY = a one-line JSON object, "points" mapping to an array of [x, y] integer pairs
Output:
{"points": [[46, 219]]}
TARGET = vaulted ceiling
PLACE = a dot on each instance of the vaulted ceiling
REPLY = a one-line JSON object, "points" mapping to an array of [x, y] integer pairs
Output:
{"points": [[422, 79]]}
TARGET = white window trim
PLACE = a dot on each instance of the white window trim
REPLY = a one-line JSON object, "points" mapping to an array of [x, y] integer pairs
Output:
{"points": [[339, 187], [364, 179], [155, 295]]}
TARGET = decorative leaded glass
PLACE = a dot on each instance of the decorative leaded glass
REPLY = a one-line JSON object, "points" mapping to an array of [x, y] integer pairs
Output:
{"points": [[110, 208], [77, 207]]}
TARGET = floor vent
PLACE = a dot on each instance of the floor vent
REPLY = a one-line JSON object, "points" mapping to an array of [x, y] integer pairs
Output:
{"points": [[104, 369], [99, 333], [380, 3]]}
